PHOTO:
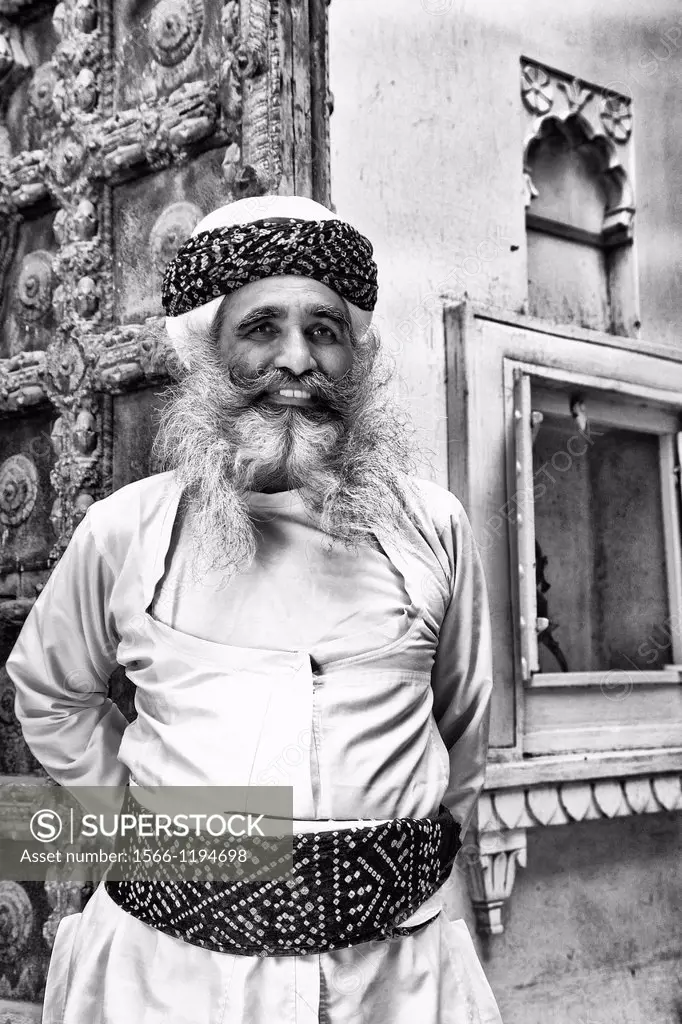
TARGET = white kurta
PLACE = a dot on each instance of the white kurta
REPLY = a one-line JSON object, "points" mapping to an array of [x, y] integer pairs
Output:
{"points": [[360, 679]]}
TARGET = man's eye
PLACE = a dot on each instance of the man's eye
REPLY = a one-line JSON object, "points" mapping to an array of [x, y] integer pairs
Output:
{"points": [[323, 333], [263, 330]]}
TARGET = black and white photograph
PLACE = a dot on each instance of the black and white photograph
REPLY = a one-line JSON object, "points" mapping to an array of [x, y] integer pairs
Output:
{"points": [[340, 512]]}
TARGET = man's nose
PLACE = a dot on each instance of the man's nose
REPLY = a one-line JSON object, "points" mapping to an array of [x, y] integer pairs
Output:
{"points": [[295, 352]]}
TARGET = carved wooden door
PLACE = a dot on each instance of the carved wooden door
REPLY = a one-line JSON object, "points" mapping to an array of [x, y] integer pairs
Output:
{"points": [[121, 125]]}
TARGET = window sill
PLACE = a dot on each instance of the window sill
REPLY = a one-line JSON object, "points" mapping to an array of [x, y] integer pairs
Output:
{"points": [[608, 680]]}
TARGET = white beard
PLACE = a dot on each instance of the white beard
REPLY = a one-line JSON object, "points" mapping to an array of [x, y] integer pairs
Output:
{"points": [[350, 458]]}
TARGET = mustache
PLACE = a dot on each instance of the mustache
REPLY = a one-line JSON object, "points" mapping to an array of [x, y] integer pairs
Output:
{"points": [[254, 386]]}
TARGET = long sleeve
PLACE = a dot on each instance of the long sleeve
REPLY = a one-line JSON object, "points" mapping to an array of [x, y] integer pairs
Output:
{"points": [[60, 667], [462, 673]]}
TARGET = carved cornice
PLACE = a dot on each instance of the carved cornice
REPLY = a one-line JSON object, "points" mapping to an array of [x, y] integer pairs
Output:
{"points": [[566, 802], [504, 815]]}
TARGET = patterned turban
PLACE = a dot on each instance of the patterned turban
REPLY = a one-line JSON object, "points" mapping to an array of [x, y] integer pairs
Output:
{"points": [[265, 236]]}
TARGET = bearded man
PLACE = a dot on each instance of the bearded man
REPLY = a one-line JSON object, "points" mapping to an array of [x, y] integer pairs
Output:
{"points": [[286, 583]]}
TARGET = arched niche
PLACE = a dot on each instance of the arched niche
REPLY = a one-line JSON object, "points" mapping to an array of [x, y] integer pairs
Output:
{"points": [[580, 225]]}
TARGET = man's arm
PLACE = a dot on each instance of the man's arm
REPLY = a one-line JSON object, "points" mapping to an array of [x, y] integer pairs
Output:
{"points": [[462, 673], [60, 667]]}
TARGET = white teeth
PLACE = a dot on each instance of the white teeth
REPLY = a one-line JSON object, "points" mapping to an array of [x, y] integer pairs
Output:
{"points": [[293, 393]]}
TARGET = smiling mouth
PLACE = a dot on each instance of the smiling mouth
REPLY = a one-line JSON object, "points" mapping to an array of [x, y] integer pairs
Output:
{"points": [[291, 396]]}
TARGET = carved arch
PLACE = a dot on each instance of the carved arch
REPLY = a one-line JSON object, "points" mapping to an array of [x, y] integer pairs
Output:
{"points": [[619, 214]]}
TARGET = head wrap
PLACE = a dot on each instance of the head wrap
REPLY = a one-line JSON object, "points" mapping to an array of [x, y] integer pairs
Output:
{"points": [[265, 236]]}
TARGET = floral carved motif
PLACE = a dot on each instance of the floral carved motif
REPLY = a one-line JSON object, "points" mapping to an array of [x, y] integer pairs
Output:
{"points": [[18, 489], [33, 293], [491, 869], [537, 89], [616, 116], [577, 95], [174, 28]]}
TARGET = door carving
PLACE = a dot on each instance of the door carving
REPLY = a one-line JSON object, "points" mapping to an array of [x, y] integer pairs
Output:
{"points": [[121, 125]]}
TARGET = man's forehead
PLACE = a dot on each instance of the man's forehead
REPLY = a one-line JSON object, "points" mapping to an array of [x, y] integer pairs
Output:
{"points": [[287, 293]]}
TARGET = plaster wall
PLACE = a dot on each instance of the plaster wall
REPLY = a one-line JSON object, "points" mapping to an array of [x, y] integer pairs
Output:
{"points": [[426, 141], [594, 932]]}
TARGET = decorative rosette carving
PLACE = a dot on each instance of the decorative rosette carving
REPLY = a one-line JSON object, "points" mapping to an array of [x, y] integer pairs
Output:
{"points": [[172, 227], [33, 293], [616, 116], [18, 489], [536, 89], [174, 28]]}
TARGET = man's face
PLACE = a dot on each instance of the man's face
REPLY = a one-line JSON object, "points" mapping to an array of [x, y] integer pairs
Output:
{"points": [[292, 324]]}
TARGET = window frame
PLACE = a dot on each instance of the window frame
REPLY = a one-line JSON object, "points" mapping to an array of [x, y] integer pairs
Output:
{"points": [[637, 407]]}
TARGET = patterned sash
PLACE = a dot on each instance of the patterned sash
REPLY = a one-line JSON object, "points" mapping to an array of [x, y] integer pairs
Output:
{"points": [[348, 886]]}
